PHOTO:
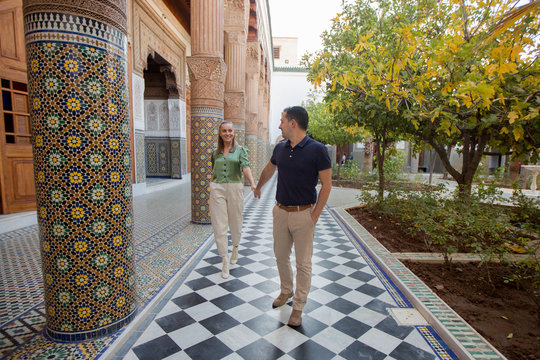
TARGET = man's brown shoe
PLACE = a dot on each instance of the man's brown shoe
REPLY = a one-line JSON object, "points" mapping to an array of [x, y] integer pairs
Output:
{"points": [[281, 300], [296, 318]]}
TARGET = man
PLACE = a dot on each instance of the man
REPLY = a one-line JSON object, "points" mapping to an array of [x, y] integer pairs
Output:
{"points": [[300, 161]]}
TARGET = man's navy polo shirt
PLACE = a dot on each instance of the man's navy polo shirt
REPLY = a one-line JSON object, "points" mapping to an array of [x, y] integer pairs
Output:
{"points": [[298, 170]]}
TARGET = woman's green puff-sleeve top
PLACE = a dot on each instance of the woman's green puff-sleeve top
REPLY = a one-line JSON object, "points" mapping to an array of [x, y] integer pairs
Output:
{"points": [[228, 169]]}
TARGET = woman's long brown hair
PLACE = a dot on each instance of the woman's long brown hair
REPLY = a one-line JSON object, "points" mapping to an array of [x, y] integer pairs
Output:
{"points": [[220, 144]]}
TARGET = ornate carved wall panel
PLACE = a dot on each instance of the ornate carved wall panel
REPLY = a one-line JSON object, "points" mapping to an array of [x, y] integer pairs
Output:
{"points": [[148, 37]]}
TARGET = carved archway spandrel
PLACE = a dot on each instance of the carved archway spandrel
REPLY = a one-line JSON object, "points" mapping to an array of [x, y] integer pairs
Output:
{"points": [[149, 39]]}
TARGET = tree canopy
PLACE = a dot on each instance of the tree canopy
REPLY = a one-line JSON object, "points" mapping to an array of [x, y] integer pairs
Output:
{"points": [[437, 65]]}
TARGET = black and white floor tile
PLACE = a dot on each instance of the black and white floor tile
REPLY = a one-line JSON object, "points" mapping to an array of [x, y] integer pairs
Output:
{"points": [[346, 316]]}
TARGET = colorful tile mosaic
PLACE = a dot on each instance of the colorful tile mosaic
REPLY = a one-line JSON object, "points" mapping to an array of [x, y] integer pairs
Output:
{"points": [[239, 134], [77, 70], [140, 166], [475, 346], [204, 130], [176, 166], [158, 156], [164, 241], [183, 155], [251, 143], [16, 272]]}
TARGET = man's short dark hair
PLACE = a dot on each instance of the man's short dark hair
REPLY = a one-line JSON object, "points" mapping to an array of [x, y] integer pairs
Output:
{"points": [[299, 114]]}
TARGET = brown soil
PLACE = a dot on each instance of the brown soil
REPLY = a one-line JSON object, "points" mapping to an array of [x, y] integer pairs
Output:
{"points": [[504, 314]]}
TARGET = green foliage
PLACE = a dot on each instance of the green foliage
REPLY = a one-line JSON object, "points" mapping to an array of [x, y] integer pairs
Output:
{"points": [[423, 70], [526, 212], [453, 224], [324, 127], [350, 171], [394, 165]]}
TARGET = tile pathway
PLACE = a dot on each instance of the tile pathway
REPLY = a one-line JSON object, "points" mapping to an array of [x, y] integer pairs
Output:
{"points": [[186, 310]]}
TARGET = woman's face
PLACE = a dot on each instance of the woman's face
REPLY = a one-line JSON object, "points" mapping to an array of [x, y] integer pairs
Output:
{"points": [[226, 132]]}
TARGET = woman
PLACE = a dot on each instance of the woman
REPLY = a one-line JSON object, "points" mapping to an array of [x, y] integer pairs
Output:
{"points": [[229, 161]]}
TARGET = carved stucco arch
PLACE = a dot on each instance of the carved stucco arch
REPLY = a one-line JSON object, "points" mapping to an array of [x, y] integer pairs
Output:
{"points": [[151, 38]]}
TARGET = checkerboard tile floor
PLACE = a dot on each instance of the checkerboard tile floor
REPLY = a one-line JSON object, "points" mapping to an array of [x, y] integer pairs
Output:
{"points": [[346, 316]]}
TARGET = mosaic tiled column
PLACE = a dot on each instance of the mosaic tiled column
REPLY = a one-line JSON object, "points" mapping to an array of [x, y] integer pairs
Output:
{"points": [[252, 144], [77, 74], [207, 74]]}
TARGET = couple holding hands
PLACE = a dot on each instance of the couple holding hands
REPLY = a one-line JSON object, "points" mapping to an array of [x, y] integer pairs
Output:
{"points": [[301, 162]]}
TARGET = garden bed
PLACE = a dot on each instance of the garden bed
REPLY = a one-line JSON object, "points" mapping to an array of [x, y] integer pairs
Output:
{"points": [[372, 186], [504, 314]]}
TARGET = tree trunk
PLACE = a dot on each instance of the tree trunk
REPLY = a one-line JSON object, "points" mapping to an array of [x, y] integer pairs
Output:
{"points": [[513, 170], [368, 149], [448, 153], [431, 166], [474, 145], [379, 153]]}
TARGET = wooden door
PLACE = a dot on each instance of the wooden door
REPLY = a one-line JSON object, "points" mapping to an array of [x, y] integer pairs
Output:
{"points": [[16, 168]]}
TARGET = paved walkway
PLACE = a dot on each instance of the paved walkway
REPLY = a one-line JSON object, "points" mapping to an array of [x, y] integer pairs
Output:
{"points": [[363, 304]]}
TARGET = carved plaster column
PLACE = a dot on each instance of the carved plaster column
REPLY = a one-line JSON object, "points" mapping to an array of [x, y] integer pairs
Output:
{"points": [[235, 83], [266, 113], [77, 56], [252, 85], [260, 123], [236, 22], [207, 75]]}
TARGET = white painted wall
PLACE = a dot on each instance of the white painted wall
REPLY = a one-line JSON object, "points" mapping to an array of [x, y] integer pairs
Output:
{"points": [[138, 102], [288, 89], [288, 51]]}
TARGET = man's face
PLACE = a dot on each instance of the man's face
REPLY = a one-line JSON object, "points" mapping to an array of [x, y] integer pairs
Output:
{"points": [[285, 126]]}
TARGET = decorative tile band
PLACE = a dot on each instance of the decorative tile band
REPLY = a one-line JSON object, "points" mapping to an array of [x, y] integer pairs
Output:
{"points": [[204, 132], [73, 25], [436, 343], [82, 167]]}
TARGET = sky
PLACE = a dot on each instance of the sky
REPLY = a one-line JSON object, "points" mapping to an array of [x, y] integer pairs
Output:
{"points": [[305, 19]]}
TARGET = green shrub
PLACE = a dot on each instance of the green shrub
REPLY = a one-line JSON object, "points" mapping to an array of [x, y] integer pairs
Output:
{"points": [[453, 225], [350, 171], [394, 165]]}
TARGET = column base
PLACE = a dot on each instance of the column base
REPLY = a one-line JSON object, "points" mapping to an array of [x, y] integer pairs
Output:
{"points": [[73, 336], [201, 222]]}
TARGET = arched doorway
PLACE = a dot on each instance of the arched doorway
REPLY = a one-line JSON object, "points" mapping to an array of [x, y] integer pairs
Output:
{"points": [[163, 121]]}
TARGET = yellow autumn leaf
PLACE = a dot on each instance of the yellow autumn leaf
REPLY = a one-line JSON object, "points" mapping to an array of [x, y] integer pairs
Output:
{"points": [[518, 133], [507, 67], [504, 130], [509, 336], [512, 116]]}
